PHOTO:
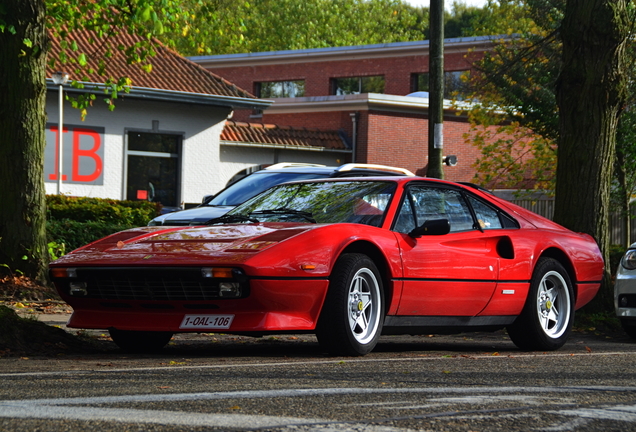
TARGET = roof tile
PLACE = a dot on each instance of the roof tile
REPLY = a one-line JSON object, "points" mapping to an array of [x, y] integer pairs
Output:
{"points": [[170, 71], [259, 133]]}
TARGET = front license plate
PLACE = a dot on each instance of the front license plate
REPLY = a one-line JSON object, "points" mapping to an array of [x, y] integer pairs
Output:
{"points": [[206, 322]]}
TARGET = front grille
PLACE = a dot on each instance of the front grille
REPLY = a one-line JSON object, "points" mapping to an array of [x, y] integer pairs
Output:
{"points": [[148, 284]]}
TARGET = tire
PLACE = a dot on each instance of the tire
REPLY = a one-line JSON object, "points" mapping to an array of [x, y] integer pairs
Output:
{"points": [[140, 341], [353, 314], [546, 320], [629, 326]]}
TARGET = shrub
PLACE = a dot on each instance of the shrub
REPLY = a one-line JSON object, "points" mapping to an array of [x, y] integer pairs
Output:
{"points": [[81, 209], [73, 234], [77, 221]]}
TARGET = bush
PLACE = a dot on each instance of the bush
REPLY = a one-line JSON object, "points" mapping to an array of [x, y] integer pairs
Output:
{"points": [[73, 234], [77, 221], [81, 209]]}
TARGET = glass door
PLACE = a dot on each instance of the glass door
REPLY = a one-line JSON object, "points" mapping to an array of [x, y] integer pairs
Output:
{"points": [[153, 168]]}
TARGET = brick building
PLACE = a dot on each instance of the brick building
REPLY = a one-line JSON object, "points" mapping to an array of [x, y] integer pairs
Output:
{"points": [[374, 95]]}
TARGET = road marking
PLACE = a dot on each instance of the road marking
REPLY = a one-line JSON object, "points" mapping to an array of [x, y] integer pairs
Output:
{"points": [[82, 408]]}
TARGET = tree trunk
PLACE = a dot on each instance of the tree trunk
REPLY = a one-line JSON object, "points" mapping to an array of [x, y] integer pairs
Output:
{"points": [[23, 48], [591, 92]]}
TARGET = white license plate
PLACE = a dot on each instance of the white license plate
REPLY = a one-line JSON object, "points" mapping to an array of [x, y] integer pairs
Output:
{"points": [[206, 322]]}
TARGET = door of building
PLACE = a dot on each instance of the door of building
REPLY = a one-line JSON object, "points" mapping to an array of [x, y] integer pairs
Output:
{"points": [[153, 165]]}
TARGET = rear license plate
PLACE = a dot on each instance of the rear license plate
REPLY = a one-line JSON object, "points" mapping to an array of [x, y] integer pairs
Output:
{"points": [[206, 322]]}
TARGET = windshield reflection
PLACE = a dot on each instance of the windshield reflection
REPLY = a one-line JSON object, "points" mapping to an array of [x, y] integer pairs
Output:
{"points": [[325, 202]]}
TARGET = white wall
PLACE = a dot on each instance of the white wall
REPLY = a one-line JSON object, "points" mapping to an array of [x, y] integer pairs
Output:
{"points": [[206, 166], [200, 125]]}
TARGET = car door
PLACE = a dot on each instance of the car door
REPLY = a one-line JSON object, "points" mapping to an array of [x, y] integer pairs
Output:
{"points": [[454, 274]]}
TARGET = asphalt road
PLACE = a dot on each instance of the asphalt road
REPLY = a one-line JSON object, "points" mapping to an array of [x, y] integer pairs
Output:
{"points": [[470, 382]]}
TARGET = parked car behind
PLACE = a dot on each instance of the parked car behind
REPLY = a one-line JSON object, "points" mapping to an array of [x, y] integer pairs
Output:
{"points": [[251, 185], [625, 292]]}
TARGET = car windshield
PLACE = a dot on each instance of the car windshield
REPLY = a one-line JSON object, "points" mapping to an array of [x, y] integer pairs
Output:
{"points": [[362, 202], [254, 184]]}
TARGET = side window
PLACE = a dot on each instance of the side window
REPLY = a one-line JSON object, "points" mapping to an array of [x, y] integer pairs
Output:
{"points": [[428, 203], [405, 221], [487, 217]]}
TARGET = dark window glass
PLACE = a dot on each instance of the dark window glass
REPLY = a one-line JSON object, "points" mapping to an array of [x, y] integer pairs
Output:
{"points": [[153, 179], [424, 203], [358, 85], [487, 217], [153, 169], [280, 89], [153, 142], [455, 84]]}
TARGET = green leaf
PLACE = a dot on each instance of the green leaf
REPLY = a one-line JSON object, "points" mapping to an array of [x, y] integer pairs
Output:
{"points": [[158, 27], [28, 42], [146, 13], [82, 59]]}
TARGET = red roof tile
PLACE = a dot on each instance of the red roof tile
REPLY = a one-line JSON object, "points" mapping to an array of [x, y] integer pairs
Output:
{"points": [[170, 71], [258, 133]]}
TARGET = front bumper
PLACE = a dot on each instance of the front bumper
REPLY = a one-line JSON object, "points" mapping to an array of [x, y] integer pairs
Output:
{"points": [[272, 306]]}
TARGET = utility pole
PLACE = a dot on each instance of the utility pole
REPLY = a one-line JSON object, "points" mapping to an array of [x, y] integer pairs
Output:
{"points": [[436, 90]]}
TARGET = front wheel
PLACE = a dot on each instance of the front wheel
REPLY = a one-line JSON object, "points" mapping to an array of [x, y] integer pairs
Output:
{"points": [[139, 341], [353, 314], [546, 320]]}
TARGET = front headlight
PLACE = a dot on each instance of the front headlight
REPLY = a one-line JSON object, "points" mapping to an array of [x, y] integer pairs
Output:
{"points": [[629, 260]]}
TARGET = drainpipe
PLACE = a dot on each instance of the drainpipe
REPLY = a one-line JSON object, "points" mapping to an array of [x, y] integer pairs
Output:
{"points": [[354, 135]]}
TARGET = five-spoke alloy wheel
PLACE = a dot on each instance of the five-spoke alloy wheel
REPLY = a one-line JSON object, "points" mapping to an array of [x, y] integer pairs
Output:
{"points": [[353, 313], [546, 319]]}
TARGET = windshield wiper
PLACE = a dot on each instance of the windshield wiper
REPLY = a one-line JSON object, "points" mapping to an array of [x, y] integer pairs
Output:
{"points": [[230, 218], [286, 211]]}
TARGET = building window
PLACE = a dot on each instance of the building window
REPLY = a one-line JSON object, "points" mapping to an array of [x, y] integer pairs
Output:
{"points": [[280, 89], [357, 85], [455, 84], [153, 165]]}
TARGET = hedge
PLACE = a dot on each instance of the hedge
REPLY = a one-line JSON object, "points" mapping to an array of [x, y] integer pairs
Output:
{"points": [[76, 221]]}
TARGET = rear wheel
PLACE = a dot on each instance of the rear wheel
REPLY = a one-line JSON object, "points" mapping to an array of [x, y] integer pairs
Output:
{"points": [[352, 316], [140, 341], [546, 320]]}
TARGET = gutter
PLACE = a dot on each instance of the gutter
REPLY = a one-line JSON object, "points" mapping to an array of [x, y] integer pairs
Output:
{"points": [[162, 95]]}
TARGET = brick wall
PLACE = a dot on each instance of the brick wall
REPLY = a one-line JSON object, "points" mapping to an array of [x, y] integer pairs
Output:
{"points": [[402, 140], [396, 70]]}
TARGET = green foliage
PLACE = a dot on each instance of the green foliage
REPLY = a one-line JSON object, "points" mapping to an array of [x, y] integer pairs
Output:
{"points": [[99, 21], [223, 26], [76, 221], [71, 234], [513, 156], [82, 209], [56, 249]]}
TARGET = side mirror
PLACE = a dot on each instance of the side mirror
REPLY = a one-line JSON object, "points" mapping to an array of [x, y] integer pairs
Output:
{"points": [[431, 227]]}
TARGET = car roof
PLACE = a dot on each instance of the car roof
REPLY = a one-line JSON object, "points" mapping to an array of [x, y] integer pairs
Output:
{"points": [[337, 171]]}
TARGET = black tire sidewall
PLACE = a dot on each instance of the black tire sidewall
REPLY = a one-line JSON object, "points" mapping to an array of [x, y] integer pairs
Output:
{"points": [[526, 332], [333, 331]]}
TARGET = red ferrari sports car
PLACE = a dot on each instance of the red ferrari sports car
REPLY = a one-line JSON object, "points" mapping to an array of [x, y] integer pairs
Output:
{"points": [[346, 259]]}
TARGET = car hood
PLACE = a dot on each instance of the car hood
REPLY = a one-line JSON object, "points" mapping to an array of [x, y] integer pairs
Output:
{"points": [[178, 246], [193, 216]]}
